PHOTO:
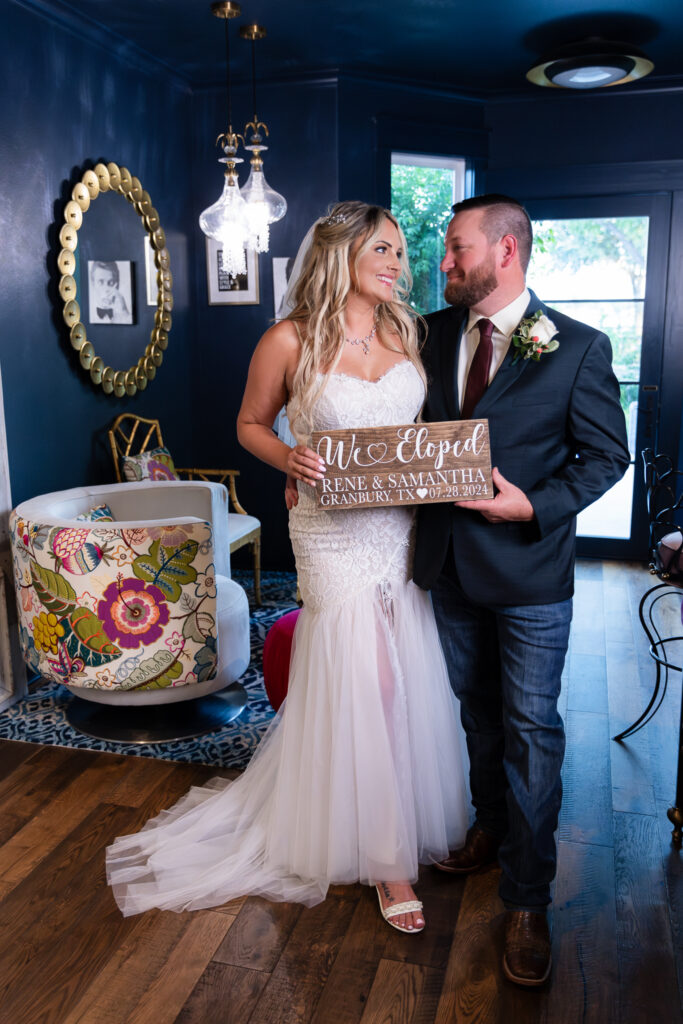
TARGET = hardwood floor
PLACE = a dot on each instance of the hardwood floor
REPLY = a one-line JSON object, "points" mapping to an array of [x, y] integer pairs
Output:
{"points": [[67, 956]]}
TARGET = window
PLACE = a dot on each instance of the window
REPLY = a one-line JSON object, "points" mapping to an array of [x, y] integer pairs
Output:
{"points": [[423, 190]]}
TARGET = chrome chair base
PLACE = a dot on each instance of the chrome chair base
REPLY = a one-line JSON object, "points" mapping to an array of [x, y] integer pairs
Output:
{"points": [[157, 723]]}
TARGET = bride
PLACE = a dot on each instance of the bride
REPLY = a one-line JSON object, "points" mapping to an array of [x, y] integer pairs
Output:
{"points": [[360, 777]]}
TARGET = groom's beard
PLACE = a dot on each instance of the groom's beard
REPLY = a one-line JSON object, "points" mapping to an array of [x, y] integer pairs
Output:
{"points": [[479, 283]]}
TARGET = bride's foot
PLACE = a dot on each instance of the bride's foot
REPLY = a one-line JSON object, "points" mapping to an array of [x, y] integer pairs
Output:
{"points": [[398, 906]]}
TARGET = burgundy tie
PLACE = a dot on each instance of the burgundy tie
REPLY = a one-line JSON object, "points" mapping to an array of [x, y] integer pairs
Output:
{"points": [[478, 377]]}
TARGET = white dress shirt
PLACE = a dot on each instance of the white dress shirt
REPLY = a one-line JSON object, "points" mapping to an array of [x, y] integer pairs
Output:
{"points": [[504, 323]]}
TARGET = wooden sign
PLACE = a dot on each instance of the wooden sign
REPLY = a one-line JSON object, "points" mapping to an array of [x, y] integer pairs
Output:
{"points": [[415, 464]]}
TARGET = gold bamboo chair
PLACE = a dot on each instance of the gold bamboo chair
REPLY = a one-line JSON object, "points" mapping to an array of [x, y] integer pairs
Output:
{"points": [[132, 435]]}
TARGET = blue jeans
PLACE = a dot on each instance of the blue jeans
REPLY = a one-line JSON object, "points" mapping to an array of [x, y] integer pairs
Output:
{"points": [[505, 664]]}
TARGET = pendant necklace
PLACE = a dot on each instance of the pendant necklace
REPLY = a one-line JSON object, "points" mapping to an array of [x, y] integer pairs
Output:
{"points": [[364, 342]]}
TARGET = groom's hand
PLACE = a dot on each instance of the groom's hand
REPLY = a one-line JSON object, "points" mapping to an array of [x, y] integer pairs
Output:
{"points": [[291, 492], [509, 505]]}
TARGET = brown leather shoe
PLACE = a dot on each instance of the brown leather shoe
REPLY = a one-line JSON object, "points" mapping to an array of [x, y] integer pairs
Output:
{"points": [[480, 848], [526, 959]]}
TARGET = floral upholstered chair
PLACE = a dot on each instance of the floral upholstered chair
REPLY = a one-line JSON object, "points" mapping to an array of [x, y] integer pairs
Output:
{"points": [[138, 451], [124, 593]]}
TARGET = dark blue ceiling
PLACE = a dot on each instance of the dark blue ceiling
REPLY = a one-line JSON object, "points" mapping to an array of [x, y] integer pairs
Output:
{"points": [[482, 47]]}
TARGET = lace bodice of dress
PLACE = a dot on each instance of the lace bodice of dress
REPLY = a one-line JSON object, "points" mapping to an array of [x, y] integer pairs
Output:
{"points": [[347, 401], [338, 553]]}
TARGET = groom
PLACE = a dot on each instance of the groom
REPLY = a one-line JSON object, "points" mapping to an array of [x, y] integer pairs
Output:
{"points": [[501, 571]]}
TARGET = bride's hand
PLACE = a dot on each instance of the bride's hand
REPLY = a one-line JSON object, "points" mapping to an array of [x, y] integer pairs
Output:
{"points": [[304, 464]]}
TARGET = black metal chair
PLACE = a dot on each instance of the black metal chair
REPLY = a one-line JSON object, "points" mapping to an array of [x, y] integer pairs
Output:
{"points": [[664, 491]]}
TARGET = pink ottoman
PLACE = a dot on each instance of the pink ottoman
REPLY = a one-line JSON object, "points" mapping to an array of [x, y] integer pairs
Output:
{"points": [[277, 650]]}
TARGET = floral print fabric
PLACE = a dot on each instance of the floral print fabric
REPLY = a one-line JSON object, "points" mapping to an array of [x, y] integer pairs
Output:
{"points": [[156, 464], [110, 608]]}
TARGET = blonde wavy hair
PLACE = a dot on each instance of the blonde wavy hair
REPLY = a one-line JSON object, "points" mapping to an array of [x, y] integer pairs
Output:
{"points": [[320, 299]]}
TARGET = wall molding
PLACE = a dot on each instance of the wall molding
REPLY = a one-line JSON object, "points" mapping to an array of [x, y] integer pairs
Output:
{"points": [[437, 137], [566, 180]]}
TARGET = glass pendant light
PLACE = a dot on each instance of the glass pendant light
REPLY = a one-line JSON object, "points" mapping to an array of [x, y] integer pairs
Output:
{"points": [[226, 220], [264, 205]]}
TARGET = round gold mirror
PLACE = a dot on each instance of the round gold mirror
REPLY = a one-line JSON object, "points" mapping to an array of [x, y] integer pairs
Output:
{"points": [[106, 296]]}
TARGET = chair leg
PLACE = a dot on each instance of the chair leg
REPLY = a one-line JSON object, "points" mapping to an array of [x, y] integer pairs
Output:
{"points": [[675, 813], [256, 547], [675, 816], [648, 713]]}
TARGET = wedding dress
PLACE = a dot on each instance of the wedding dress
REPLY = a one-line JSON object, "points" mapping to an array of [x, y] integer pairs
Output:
{"points": [[361, 774]]}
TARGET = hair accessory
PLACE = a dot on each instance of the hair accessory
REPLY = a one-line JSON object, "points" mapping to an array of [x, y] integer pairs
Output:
{"points": [[336, 218]]}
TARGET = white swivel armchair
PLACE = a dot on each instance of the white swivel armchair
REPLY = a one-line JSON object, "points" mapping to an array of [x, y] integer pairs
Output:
{"points": [[131, 605]]}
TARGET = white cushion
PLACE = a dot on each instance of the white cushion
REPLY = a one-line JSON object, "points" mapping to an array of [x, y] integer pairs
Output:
{"points": [[672, 557], [239, 526]]}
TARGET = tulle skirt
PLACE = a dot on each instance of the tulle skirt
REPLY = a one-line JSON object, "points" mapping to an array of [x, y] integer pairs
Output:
{"points": [[360, 777]]}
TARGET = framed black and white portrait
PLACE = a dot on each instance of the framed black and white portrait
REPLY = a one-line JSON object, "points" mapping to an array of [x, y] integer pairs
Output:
{"points": [[110, 292]]}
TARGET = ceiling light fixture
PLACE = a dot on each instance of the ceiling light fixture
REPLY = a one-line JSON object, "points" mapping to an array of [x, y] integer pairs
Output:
{"points": [[226, 220], [592, 64], [265, 206], [241, 220]]}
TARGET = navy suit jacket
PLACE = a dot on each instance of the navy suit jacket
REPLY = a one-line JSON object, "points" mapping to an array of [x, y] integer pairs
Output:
{"points": [[557, 431]]}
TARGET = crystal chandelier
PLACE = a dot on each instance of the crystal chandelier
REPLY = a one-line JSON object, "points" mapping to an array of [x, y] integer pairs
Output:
{"points": [[264, 204], [241, 220]]}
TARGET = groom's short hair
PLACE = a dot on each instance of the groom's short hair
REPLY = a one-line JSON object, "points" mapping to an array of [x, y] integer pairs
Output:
{"points": [[503, 215]]}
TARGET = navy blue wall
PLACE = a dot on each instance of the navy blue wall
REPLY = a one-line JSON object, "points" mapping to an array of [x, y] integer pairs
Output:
{"points": [[74, 102], [301, 163], [328, 141], [70, 104], [552, 128]]}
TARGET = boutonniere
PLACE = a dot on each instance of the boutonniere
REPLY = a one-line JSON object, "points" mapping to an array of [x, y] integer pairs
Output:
{"points": [[534, 336]]}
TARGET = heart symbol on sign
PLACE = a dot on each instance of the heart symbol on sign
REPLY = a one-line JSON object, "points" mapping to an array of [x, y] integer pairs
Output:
{"points": [[377, 451], [421, 492]]}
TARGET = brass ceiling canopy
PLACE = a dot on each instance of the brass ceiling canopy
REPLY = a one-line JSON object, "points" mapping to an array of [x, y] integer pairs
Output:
{"points": [[253, 32], [226, 9]]}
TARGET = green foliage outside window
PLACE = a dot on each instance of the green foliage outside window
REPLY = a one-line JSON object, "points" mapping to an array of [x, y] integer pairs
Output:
{"points": [[421, 200], [567, 246]]}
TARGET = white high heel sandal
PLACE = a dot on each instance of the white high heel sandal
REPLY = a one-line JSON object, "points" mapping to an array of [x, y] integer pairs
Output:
{"points": [[409, 907]]}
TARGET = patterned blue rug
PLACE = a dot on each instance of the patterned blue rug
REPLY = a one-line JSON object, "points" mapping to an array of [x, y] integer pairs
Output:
{"points": [[40, 717]]}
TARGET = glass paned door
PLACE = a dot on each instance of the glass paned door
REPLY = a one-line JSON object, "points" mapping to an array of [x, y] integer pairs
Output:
{"points": [[596, 260], [594, 270]]}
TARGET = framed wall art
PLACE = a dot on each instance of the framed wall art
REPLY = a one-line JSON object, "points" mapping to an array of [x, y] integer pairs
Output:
{"points": [[282, 268], [230, 289], [110, 292]]}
